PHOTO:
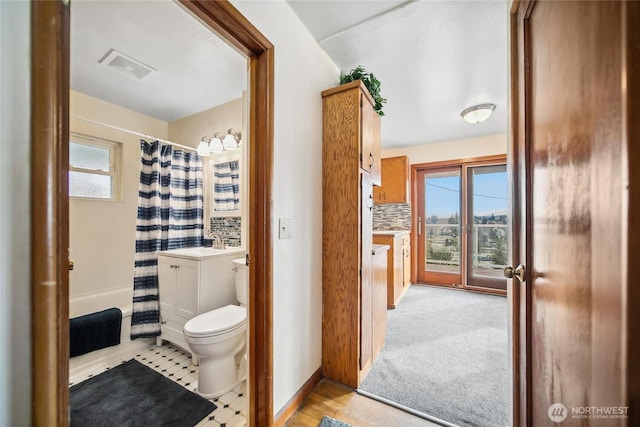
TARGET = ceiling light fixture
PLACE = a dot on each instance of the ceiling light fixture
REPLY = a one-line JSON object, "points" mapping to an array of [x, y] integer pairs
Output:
{"points": [[219, 142], [478, 113]]}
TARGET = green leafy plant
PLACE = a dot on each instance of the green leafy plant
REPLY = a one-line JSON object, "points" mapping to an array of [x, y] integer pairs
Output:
{"points": [[371, 83]]}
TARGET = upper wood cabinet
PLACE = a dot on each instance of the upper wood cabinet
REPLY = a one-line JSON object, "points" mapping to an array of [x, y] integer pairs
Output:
{"points": [[395, 181], [351, 140], [349, 116]]}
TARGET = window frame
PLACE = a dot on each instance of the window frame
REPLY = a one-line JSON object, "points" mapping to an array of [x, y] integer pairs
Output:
{"points": [[115, 165]]}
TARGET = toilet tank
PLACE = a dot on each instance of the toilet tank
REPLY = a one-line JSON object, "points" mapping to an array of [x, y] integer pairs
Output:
{"points": [[241, 273]]}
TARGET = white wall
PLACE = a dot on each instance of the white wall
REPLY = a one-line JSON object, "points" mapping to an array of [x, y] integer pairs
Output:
{"points": [[302, 71], [452, 150], [191, 129], [15, 325], [102, 233]]}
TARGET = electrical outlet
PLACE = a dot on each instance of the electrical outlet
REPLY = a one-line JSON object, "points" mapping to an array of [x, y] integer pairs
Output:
{"points": [[286, 228]]}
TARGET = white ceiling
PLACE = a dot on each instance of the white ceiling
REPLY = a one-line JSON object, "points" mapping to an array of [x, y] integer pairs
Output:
{"points": [[196, 70], [434, 59]]}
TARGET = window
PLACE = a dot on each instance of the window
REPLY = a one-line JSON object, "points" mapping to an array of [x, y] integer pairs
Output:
{"points": [[94, 168]]}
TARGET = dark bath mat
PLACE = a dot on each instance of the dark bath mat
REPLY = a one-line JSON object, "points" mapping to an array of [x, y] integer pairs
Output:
{"points": [[132, 394]]}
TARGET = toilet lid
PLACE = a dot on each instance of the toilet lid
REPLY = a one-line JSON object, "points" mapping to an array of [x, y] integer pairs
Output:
{"points": [[216, 321]]}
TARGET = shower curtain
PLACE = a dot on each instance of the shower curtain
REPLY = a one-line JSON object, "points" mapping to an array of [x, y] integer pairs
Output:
{"points": [[226, 186], [170, 200]]}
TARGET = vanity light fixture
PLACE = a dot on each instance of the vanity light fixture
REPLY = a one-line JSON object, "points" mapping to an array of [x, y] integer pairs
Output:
{"points": [[478, 113], [219, 142]]}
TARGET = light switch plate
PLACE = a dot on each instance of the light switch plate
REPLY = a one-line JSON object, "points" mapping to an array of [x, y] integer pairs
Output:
{"points": [[286, 228]]}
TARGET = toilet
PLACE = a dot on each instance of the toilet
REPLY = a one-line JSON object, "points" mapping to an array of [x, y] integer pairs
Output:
{"points": [[218, 339]]}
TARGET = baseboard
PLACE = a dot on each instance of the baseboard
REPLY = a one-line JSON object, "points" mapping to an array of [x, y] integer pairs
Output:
{"points": [[298, 399]]}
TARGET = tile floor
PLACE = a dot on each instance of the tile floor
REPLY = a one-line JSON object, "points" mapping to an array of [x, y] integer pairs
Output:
{"points": [[175, 364]]}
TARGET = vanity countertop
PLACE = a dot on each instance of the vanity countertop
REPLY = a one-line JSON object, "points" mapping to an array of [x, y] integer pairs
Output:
{"points": [[391, 232], [202, 252], [380, 248]]}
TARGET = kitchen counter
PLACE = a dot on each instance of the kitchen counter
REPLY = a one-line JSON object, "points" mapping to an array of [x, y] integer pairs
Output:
{"points": [[398, 262], [391, 232]]}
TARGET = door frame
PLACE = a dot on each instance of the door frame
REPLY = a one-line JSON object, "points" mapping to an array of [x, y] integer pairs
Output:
{"points": [[50, 36], [417, 197], [519, 182]]}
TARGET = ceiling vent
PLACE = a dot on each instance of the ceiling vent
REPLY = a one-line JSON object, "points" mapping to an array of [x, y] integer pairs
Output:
{"points": [[127, 65]]}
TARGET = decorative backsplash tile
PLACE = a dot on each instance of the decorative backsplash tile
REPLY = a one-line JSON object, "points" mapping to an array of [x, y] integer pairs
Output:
{"points": [[392, 217], [228, 228]]}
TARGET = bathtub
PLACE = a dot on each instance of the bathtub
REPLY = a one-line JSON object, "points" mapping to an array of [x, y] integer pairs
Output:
{"points": [[79, 366]]}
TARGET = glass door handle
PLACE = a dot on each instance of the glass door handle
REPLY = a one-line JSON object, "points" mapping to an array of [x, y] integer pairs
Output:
{"points": [[419, 226]]}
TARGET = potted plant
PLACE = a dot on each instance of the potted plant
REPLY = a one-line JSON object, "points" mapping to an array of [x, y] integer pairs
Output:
{"points": [[371, 83]]}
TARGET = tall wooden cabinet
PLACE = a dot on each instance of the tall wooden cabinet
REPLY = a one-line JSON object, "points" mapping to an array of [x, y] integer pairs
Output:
{"points": [[351, 165]]}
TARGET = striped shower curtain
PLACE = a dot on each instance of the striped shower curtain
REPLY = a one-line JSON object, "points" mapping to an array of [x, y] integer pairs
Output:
{"points": [[170, 199], [226, 186]]}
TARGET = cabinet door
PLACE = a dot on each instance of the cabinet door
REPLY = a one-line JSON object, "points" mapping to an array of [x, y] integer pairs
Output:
{"points": [[395, 181], [366, 276], [370, 140], [187, 288], [379, 301], [167, 286]]}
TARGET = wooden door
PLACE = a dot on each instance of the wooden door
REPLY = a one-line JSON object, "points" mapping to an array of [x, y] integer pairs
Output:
{"points": [[573, 65]]}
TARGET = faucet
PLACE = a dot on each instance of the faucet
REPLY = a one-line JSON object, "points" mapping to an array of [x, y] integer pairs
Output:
{"points": [[218, 243]]}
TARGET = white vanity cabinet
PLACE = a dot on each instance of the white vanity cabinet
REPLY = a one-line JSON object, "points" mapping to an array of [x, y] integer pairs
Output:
{"points": [[192, 281]]}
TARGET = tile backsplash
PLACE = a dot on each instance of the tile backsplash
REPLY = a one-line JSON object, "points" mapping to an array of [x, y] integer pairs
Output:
{"points": [[228, 228], [392, 217]]}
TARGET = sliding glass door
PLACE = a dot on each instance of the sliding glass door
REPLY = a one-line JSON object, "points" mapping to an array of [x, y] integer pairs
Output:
{"points": [[487, 237], [462, 225], [439, 226]]}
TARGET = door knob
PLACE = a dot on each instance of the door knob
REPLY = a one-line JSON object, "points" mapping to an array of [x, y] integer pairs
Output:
{"points": [[518, 272], [72, 265]]}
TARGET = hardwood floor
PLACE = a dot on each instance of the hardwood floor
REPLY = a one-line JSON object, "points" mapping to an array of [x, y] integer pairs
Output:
{"points": [[343, 403]]}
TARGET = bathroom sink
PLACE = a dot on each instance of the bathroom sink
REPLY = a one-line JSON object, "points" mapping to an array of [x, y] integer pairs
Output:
{"points": [[202, 252]]}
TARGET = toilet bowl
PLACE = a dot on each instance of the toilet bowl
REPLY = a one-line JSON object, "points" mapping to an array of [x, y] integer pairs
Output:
{"points": [[218, 339]]}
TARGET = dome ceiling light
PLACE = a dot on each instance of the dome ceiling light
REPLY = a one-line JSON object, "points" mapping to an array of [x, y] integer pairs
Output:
{"points": [[478, 113]]}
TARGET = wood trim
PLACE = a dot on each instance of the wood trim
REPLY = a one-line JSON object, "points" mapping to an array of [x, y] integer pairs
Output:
{"points": [[49, 213], [260, 248], [518, 396], [457, 162], [484, 290], [49, 224], [521, 192], [231, 25], [298, 399], [631, 139], [414, 225], [348, 86]]}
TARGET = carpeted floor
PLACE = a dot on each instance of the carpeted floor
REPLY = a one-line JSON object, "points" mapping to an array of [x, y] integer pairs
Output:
{"points": [[445, 355]]}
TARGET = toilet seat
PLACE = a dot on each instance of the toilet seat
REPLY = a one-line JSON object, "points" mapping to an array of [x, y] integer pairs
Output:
{"points": [[216, 322]]}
